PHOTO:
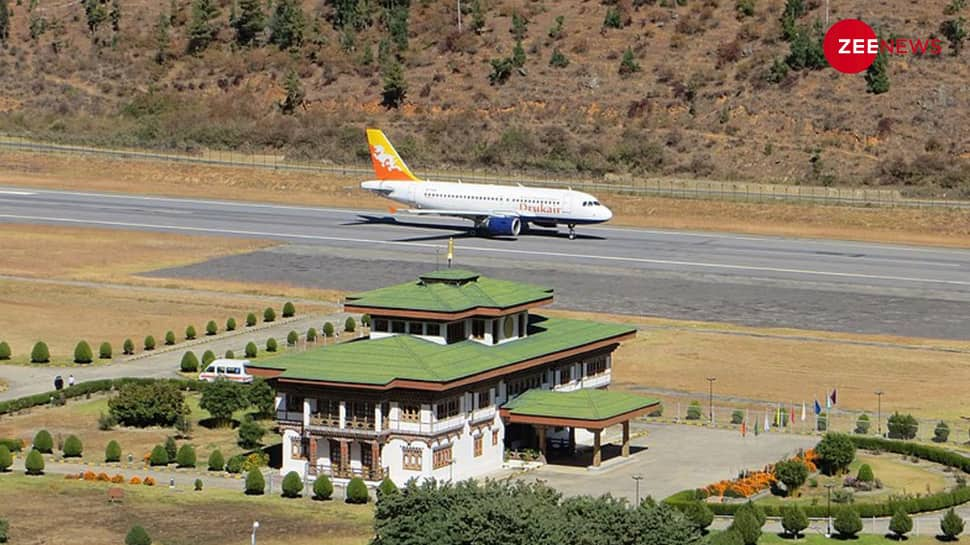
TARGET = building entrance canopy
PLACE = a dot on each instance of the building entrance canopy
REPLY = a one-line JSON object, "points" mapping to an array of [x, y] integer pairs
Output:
{"points": [[587, 408]]}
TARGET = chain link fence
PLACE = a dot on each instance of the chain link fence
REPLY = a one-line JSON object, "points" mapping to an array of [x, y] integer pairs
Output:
{"points": [[618, 184]]}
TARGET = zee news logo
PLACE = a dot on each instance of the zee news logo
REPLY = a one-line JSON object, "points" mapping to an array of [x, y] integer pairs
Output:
{"points": [[851, 46]]}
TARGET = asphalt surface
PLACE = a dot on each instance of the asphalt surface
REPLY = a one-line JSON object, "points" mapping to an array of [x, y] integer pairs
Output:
{"points": [[751, 280]]}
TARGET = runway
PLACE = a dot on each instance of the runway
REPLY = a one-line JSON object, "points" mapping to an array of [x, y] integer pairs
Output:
{"points": [[753, 280]]}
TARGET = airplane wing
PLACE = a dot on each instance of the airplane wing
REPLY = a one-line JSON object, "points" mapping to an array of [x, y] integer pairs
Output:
{"points": [[474, 215]]}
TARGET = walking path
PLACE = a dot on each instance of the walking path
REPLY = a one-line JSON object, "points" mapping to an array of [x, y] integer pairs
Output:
{"points": [[26, 380]]}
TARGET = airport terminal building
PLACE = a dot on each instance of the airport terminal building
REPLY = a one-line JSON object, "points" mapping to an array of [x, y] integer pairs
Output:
{"points": [[456, 369]]}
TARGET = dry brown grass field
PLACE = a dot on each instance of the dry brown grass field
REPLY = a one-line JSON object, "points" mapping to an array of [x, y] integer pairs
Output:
{"points": [[903, 225]]}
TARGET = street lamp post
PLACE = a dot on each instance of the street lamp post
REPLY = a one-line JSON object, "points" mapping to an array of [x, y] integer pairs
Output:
{"points": [[879, 412], [637, 478], [710, 381], [828, 511], [255, 525]]}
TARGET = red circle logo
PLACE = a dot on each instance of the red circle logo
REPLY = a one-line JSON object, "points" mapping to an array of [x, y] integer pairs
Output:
{"points": [[850, 46]]}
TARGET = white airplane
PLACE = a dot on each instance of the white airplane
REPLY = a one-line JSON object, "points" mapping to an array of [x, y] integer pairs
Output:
{"points": [[497, 210]]}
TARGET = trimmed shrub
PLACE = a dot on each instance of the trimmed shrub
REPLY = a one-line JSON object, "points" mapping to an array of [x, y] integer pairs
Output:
{"points": [[190, 364], [82, 353], [350, 325], [230, 354], [4, 351], [128, 348], [328, 329], [159, 456], [847, 523], [311, 335], [186, 456], [211, 328], [727, 537], [255, 484], [43, 442], [235, 464], [34, 463], [190, 333], [365, 320], [40, 353], [699, 515], [357, 491], [792, 473], [835, 452], [251, 349], [941, 433], [865, 474], [250, 433], [112, 452], [137, 536], [13, 445], [4, 530], [292, 338], [694, 411], [149, 343], [208, 357], [169, 338], [322, 488], [737, 416], [72, 447], [104, 351], [269, 315], [902, 426], [216, 461], [793, 520], [388, 488], [288, 310], [231, 324], [862, 424], [198, 485], [6, 459], [144, 403], [746, 525], [271, 345], [292, 485], [951, 525], [250, 320], [901, 524], [171, 448]]}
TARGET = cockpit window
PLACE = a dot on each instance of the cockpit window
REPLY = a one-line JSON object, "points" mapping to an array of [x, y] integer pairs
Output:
{"points": [[597, 203]]}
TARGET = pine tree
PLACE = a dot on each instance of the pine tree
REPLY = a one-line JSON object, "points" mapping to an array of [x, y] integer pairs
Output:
{"points": [[628, 65], [96, 14], [951, 525], [794, 520], [901, 523], [295, 94], [202, 28], [518, 55], [955, 32], [395, 87], [115, 15], [4, 22], [287, 24], [877, 75], [249, 22]]}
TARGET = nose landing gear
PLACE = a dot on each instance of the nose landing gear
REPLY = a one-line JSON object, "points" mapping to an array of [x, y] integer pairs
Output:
{"points": [[572, 231]]}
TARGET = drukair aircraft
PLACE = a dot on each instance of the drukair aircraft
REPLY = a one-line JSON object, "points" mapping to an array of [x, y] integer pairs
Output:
{"points": [[497, 210]]}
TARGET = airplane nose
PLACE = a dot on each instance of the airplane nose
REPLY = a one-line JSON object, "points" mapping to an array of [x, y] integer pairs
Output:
{"points": [[607, 213]]}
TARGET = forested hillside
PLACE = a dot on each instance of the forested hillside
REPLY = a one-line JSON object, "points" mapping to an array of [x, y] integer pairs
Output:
{"points": [[719, 89]]}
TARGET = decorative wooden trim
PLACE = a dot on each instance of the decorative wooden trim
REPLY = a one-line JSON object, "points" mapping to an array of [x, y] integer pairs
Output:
{"points": [[393, 313]]}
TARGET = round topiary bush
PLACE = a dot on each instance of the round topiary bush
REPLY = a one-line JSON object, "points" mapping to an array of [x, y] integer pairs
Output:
{"points": [[737, 416], [292, 485], [322, 488], [40, 353], [255, 483], [229, 355], [865, 474], [208, 357], [216, 461], [149, 343], [128, 347], [112, 452], [159, 456], [862, 424], [72, 447], [198, 485], [328, 329], [292, 338], [43, 442], [190, 364], [269, 315], [250, 320], [271, 345], [34, 464], [251, 349], [311, 335], [387, 488], [941, 433], [169, 338], [848, 523], [6, 459], [699, 515], [211, 328], [104, 351], [82, 353], [186, 456], [231, 324], [357, 491], [365, 320], [694, 411], [190, 333], [835, 452], [350, 325], [234, 465], [4, 351], [289, 310], [137, 536]]}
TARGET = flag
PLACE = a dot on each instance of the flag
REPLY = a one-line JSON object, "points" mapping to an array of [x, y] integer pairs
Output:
{"points": [[451, 250], [791, 415], [744, 428], [767, 422], [818, 408], [778, 416], [833, 397], [828, 402], [803, 411]]}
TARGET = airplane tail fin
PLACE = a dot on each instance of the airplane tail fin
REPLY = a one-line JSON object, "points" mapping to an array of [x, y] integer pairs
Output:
{"points": [[388, 165]]}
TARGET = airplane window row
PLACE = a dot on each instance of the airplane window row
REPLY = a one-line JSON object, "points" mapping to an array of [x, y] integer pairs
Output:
{"points": [[484, 198]]}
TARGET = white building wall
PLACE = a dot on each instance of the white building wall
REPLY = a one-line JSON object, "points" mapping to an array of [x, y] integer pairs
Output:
{"points": [[289, 463]]}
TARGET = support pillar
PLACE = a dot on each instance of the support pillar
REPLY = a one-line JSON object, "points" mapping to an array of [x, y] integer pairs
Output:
{"points": [[375, 456], [597, 448], [344, 455], [541, 432], [312, 454], [572, 441], [625, 451]]}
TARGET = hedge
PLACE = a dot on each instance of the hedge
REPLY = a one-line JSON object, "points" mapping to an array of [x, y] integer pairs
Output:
{"points": [[932, 502], [85, 388]]}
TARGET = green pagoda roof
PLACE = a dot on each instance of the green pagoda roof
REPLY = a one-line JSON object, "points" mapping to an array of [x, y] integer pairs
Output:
{"points": [[403, 357], [586, 404], [449, 291]]}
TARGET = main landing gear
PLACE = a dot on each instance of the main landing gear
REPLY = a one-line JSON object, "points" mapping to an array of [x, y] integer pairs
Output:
{"points": [[572, 231]]}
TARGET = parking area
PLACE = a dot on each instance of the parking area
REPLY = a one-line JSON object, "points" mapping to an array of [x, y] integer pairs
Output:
{"points": [[671, 458]]}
